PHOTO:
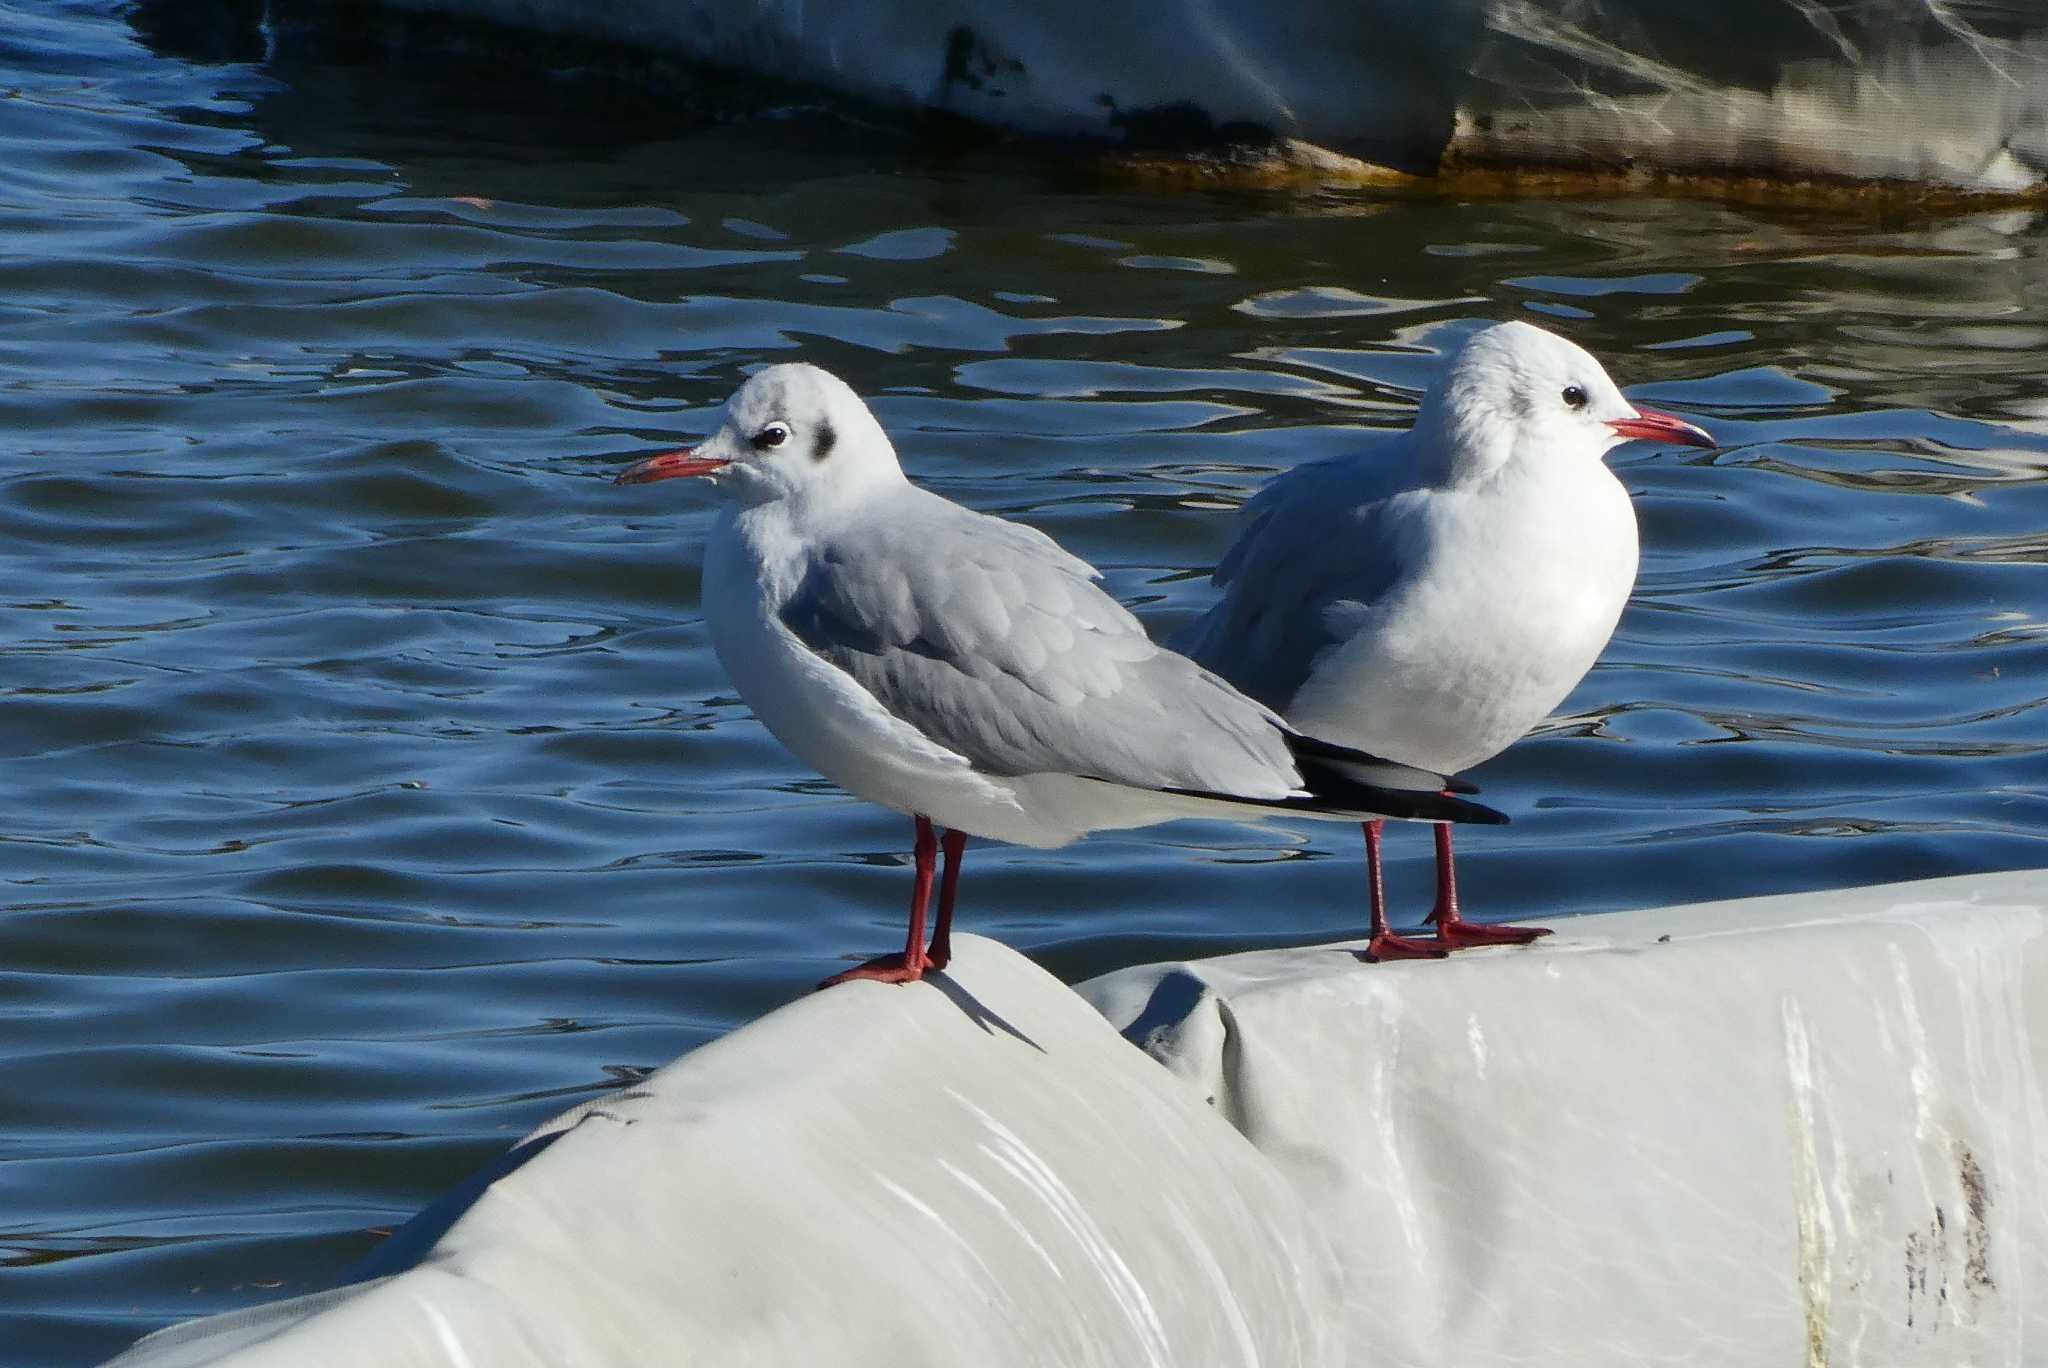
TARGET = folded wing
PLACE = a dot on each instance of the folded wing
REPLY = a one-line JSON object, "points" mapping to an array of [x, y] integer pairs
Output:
{"points": [[1318, 543], [992, 641]]}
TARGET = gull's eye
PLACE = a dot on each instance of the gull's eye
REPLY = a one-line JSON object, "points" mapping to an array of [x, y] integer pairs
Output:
{"points": [[772, 436], [1575, 396]]}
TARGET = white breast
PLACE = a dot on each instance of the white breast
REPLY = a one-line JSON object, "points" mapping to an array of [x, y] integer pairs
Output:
{"points": [[1512, 596]]}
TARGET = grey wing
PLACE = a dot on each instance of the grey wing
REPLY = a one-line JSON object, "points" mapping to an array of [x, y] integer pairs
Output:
{"points": [[1317, 543], [992, 641]]}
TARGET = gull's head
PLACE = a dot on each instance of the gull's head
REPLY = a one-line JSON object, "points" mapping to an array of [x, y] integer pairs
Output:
{"points": [[1514, 392], [794, 432]]}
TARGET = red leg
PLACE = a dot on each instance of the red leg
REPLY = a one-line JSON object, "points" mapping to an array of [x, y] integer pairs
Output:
{"points": [[951, 845], [1385, 945], [1446, 909], [909, 966], [1452, 930]]}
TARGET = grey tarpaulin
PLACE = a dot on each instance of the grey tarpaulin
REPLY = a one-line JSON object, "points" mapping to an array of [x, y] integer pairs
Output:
{"points": [[971, 1171], [1798, 1130]]}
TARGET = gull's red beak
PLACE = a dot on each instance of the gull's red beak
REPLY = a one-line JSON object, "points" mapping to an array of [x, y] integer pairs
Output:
{"points": [[670, 465], [1647, 426]]}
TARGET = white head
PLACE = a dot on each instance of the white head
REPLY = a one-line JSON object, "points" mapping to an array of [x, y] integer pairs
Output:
{"points": [[1515, 392], [792, 432]]}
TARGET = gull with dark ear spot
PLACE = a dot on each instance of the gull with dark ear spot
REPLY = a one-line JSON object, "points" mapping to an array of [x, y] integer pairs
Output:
{"points": [[965, 670], [1433, 597]]}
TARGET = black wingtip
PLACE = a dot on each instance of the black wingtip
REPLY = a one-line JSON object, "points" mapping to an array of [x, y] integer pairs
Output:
{"points": [[1345, 781], [1463, 810], [1374, 771], [1332, 795], [1414, 805]]}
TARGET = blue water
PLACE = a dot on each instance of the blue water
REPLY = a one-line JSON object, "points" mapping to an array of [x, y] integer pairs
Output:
{"points": [[371, 794]]}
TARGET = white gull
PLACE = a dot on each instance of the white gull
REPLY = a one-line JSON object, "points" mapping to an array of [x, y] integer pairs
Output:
{"points": [[1431, 598]]}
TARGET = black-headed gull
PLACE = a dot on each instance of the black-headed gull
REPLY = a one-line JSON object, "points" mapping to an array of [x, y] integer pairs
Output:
{"points": [[967, 671], [1433, 597]]}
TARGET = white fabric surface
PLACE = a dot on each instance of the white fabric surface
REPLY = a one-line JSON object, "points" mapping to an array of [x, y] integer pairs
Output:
{"points": [[970, 1171], [1808, 1129]]}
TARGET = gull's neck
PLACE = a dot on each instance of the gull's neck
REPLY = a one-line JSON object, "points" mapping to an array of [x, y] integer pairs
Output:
{"points": [[1459, 443], [793, 525], [845, 492]]}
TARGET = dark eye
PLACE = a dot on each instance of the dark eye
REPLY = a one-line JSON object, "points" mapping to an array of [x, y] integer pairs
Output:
{"points": [[1575, 396], [774, 435]]}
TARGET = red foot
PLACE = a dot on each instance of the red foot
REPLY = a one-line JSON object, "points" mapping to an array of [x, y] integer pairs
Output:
{"points": [[1460, 935], [883, 969], [1388, 946]]}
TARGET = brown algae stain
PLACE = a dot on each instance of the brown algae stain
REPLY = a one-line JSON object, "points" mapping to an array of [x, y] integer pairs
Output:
{"points": [[1929, 1253], [1290, 163], [1976, 1229]]}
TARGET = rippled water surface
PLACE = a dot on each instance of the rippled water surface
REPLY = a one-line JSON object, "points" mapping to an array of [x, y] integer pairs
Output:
{"points": [[371, 793]]}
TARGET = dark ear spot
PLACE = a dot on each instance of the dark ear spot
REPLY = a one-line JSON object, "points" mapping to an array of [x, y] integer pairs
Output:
{"points": [[828, 437]]}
